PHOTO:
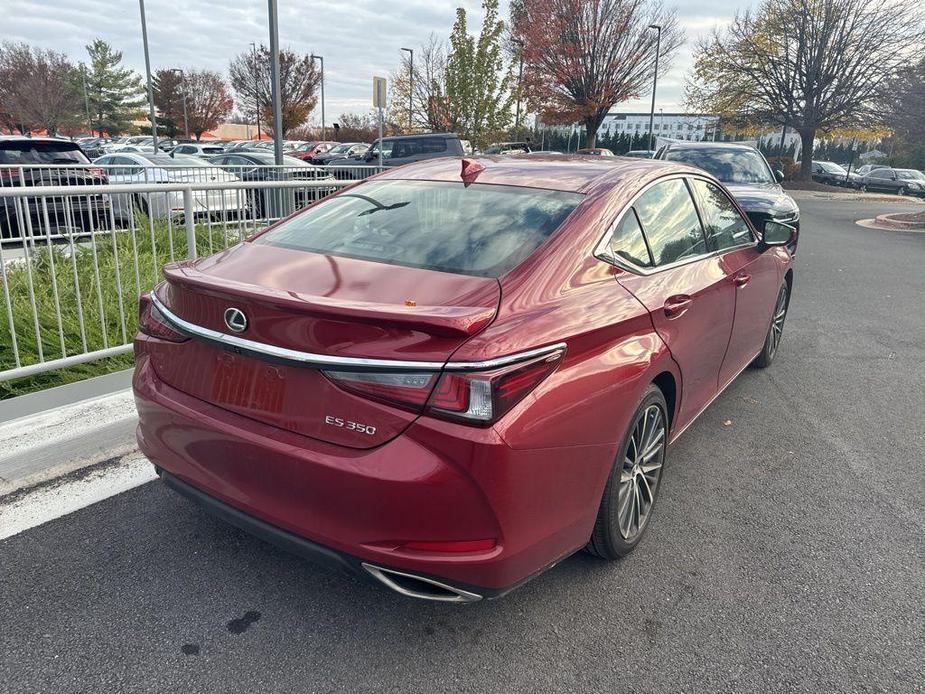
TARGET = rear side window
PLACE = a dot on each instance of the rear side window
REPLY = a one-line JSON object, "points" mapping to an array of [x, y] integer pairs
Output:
{"points": [[627, 241], [479, 229], [725, 226], [33, 152], [670, 222]]}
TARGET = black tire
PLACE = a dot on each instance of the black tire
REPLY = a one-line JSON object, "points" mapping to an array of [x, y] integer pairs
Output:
{"points": [[608, 541], [862, 188], [141, 205], [901, 190], [773, 338]]}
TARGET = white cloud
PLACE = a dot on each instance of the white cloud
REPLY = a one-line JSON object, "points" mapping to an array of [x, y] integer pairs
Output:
{"points": [[358, 38]]}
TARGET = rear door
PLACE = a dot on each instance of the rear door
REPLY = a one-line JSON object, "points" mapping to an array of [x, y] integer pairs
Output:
{"points": [[753, 277], [681, 283]]}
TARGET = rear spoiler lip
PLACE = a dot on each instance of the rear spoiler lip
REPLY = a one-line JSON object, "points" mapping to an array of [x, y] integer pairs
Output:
{"points": [[444, 321], [293, 357]]}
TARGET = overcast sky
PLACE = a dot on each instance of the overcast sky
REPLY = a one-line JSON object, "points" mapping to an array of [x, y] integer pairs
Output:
{"points": [[358, 38]]}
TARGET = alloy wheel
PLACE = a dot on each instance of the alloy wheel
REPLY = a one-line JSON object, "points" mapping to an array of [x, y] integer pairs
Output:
{"points": [[777, 321], [642, 468]]}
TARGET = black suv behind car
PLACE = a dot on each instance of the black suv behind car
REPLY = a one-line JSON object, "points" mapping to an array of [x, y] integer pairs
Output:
{"points": [[398, 150], [63, 164], [746, 174]]}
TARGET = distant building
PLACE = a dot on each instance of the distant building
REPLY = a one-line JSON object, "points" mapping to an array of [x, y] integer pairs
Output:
{"points": [[674, 126]]}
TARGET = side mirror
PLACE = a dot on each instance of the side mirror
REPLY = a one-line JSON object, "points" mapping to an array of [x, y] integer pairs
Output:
{"points": [[775, 234], [779, 175]]}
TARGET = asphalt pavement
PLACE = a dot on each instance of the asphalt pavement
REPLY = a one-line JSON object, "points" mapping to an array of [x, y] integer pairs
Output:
{"points": [[787, 552]]}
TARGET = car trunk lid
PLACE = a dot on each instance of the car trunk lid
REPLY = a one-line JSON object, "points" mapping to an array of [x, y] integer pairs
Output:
{"points": [[319, 305]]}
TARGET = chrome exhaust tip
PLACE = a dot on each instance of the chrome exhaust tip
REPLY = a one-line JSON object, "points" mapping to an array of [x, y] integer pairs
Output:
{"points": [[418, 586]]}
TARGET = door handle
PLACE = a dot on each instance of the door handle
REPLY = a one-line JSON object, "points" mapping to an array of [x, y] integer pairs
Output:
{"points": [[741, 279], [677, 305]]}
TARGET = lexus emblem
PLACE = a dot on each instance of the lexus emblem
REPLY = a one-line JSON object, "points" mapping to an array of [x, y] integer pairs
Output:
{"points": [[235, 320]]}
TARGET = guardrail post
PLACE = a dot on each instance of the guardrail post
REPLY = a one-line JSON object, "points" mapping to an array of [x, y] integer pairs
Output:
{"points": [[190, 223]]}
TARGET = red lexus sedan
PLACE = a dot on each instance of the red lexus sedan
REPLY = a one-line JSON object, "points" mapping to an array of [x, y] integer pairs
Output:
{"points": [[452, 375]]}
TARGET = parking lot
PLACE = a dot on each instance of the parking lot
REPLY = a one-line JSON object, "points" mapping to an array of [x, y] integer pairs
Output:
{"points": [[786, 554]]}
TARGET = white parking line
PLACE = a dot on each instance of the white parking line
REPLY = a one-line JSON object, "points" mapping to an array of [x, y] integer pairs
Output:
{"points": [[31, 509]]}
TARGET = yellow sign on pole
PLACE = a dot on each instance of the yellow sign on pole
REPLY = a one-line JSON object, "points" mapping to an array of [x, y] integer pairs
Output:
{"points": [[379, 92]]}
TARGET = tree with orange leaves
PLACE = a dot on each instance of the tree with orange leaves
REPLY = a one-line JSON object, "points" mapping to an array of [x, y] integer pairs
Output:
{"points": [[581, 57]]}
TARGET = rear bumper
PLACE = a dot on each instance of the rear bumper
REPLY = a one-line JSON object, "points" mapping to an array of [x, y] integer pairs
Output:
{"points": [[437, 481]]}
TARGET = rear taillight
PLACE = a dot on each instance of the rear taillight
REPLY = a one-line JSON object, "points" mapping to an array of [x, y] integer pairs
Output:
{"points": [[151, 322], [478, 397], [8, 173]]}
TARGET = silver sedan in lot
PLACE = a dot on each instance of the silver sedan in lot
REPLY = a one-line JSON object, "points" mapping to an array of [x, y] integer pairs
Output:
{"points": [[132, 167]]}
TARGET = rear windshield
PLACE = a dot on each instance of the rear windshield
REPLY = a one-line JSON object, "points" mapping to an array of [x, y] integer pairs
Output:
{"points": [[727, 164], [478, 229], [26, 152]]}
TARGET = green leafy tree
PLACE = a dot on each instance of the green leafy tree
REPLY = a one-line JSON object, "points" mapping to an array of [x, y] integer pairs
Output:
{"points": [[115, 93], [478, 92]]}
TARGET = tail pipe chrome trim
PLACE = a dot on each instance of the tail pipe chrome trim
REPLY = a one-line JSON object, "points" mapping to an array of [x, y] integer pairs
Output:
{"points": [[419, 587], [262, 350]]}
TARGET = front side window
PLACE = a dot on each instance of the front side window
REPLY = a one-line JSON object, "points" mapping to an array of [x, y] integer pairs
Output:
{"points": [[670, 222], [480, 229], [724, 225]]}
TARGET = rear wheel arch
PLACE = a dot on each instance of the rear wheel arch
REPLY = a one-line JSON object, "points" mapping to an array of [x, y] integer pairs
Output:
{"points": [[668, 385]]}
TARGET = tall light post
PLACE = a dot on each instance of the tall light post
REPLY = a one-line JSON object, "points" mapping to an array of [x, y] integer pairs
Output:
{"points": [[520, 77], [658, 48], [273, 12], [324, 130], [183, 93], [410, 51], [83, 74], [144, 40], [256, 87]]}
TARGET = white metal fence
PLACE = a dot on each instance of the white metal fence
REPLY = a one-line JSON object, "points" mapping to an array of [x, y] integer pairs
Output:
{"points": [[76, 252]]}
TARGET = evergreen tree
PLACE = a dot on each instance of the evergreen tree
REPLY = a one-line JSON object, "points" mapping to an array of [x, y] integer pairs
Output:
{"points": [[115, 93]]}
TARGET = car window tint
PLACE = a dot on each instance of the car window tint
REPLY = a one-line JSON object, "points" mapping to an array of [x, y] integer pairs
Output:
{"points": [[627, 241], [479, 229], [670, 222], [724, 225]]}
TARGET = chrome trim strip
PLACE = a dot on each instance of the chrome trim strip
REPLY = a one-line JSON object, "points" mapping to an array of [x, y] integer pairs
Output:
{"points": [[312, 360], [459, 595]]}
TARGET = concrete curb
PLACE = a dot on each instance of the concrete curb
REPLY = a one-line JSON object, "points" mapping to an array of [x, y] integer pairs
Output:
{"points": [[876, 224], [63, 438], [889, 220]]}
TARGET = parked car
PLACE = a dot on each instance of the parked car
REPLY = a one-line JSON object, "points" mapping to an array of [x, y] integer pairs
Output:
{"points": [[131, 167], [855, 175], [398, 151], [254, 165], [342, 151], [509, 148], [899, 181], [830, 173], [595, 152], [119, 143], [448, 381], [240, 144], [746, 174], [197, 149], [307, 150], [640, 154], [58, 163]]}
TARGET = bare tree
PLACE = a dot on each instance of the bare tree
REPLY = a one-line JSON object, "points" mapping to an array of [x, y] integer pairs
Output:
{"points": [[583, 56], [299, 82], [38, 88], [207, 100], [428, 99], [811, 65]]}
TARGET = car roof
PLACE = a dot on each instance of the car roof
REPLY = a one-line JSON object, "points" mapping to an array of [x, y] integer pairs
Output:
{"points": [[574, 173], [690, 144], [401, 137], [23, 138]]}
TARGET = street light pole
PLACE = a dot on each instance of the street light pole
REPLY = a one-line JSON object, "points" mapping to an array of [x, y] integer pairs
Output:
{"points": [[144, 40], [520, 77], [324, 130], [658, 48], [83, 73], [183, 93], [256, 87], [410, 87], [273, 12]]}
